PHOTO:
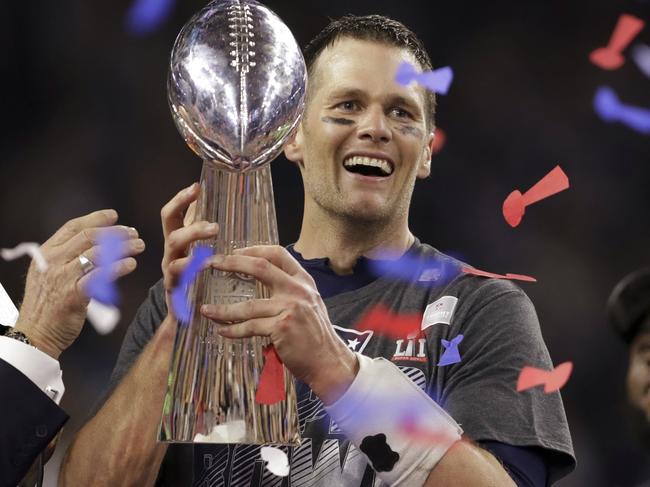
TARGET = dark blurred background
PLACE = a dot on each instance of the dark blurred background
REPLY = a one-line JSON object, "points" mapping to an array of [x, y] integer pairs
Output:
{"points": [[85, 125]]}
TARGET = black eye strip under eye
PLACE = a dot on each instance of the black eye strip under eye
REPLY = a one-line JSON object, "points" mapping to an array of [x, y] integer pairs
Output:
{"points": [[340, 121], [414, 131]]}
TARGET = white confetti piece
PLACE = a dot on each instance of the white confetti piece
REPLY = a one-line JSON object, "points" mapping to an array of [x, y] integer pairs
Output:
{"points": [[276, 461], [8, 310], [26, 248], [641, 56], [103, 317]]}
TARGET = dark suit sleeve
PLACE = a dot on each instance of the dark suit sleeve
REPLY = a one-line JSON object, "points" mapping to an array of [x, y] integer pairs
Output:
{"points": [[29, 420]]}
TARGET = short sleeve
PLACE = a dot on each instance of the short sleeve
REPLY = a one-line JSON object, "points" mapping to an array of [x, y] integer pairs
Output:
{"points": [[501, 335]]}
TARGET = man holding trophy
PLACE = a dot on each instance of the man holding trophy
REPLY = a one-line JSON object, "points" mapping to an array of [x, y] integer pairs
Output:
{"points": [[368, 408]]}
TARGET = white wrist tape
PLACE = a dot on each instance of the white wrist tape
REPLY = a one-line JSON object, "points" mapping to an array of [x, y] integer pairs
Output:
{"points": [[416, 431]]}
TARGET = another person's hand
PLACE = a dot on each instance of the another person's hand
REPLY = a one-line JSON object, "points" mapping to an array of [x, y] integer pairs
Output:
{"points": [[180, 232], [294, 317], [53, 310]]}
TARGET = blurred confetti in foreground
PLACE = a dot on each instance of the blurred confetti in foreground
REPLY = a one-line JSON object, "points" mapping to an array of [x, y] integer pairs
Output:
{"points": [[145, 16], [438, 80], [514, 206], [552, 380], [26, 248], [103, 317], [412, 268], [421, 435], [384, 322], [611, 109], [276, 461], [438, 141], [641, 56], [610, 57], [101, 283], [181, 308]]}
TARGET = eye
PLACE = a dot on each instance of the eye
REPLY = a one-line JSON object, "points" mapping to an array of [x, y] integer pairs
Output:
{"points": [[401, 113], [347, 106]]}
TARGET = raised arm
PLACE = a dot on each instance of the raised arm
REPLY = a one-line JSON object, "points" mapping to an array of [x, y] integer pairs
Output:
{"points": [[118, 446]]}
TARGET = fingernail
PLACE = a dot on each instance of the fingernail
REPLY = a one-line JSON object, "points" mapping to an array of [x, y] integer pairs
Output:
{"points": [[111, 213], [212, 227], [190, 189], [139, 244], [217, 259], [133, 232]]}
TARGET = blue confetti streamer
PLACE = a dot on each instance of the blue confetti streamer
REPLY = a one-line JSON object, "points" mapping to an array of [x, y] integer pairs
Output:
{"points": [[413, 268], [145, 16], [451, 354], [438, 80], [180, 303], [611, 109], [101, 286]]}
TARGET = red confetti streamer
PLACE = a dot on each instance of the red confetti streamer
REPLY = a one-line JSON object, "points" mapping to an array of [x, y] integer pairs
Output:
{"points": [[384, 322], [438, 141], [271, 388], [408, 427], [510, 276], [610, 57], [515, 204], [552, 380]]}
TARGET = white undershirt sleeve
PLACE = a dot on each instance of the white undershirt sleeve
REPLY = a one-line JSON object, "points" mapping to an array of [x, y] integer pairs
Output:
{"points": [[39, 367]]}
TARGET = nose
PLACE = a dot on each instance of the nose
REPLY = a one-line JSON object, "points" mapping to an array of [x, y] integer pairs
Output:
{"points": [[374, 127]]}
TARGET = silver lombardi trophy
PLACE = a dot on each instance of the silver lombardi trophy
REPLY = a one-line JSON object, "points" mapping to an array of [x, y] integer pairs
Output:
{"points": [[236, 89]]}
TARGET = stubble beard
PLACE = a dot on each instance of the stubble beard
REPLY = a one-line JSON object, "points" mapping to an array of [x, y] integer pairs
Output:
{"points": [[359, 217]]}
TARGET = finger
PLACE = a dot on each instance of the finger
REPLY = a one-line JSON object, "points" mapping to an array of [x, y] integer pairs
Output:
{"points": [[258, 267], [178, 241], [276, 254], [172, 213], [128, 248], [89, 237], [116, 270], [261, 327], [243, 311], [174, 272], [190, 214], [101, 218]]}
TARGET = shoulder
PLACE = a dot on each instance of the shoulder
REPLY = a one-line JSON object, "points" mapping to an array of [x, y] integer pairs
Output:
{"points": [[447, 275]]}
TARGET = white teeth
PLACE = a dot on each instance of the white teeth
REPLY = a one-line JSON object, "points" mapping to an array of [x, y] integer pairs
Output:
{"points": [[369, 161]]}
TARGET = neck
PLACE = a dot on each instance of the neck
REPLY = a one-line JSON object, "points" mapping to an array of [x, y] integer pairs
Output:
{"points": [[344, 241]]}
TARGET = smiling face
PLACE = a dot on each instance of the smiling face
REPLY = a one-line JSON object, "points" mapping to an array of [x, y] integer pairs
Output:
{"points": [[638, 374], [364, 138]]}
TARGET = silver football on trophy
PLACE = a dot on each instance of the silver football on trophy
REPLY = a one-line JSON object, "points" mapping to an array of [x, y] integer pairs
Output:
{"points": [[236, 84]]}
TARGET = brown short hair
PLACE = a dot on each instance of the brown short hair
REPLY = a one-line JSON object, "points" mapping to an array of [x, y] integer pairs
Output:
{"points": [[375, 28]]}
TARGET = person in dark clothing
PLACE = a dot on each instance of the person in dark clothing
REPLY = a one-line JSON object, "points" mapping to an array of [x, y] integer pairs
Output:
{"points": [[361, 145], [628, 309], [51, 317]]}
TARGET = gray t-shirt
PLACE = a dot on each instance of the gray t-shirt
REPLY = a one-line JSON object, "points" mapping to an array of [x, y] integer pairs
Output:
{"points": [[501, 335]]}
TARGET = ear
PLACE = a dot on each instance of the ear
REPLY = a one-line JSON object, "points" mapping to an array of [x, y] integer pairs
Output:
{"points": [[425, 160], [293, 149]]}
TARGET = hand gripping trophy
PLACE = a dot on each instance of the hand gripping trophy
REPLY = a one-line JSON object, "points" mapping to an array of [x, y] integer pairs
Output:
{"points": [[236, 89]]}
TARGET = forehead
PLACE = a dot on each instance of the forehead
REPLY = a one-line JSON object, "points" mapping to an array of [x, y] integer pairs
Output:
{"points": [[365, 65]]}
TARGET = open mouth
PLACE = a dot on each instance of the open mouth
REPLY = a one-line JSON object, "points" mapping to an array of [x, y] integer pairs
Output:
{"points": [[368, 166]]}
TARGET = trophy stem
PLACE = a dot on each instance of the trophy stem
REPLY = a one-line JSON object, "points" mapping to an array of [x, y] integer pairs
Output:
{"points": [[212, 379]]}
